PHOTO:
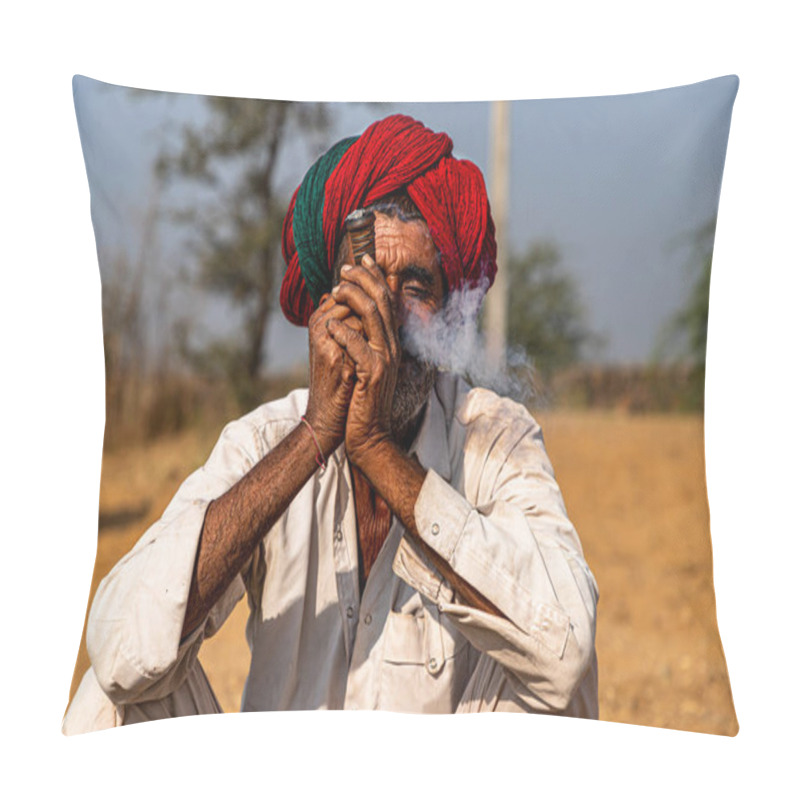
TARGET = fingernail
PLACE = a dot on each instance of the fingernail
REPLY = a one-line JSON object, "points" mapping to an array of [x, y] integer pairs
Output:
{"points": [[346, 268], [336, 289]]}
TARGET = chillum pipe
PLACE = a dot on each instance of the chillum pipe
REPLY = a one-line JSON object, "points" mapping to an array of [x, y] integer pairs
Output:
{"points": [[360, 227]]}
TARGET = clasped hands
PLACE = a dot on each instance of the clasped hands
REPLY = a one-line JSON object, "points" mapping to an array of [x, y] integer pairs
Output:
{"points": [[354, 353]]}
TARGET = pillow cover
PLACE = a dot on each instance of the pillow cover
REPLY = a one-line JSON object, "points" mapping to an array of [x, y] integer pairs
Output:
{"points": [[604, 211]]}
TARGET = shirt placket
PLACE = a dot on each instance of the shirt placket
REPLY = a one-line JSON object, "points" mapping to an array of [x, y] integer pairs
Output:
{"points": [[345, 559], [364, 674]]}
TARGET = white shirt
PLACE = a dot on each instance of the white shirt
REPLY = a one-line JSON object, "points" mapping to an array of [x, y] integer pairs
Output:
{"points": [[489, 505]]}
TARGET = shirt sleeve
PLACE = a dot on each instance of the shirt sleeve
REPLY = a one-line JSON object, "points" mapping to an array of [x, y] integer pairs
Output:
{"points": [[133, 633], [511, 540]]}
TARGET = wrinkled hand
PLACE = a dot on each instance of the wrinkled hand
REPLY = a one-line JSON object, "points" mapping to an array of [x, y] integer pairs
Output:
{"points": [[376, 355], [332, 375]]}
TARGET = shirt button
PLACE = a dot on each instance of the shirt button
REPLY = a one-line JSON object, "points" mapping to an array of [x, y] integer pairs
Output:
{"points": [[338, 533], [433, 664], [368, 619], [435, 528], [350, 612]]}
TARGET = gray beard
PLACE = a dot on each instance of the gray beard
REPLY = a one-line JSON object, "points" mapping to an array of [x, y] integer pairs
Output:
{"points": [[414, 383]]}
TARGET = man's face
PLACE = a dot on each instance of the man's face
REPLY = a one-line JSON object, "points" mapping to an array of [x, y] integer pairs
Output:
{"points": [[407, 256]]}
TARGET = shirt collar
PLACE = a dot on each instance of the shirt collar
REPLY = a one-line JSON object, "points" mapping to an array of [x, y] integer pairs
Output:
{"points": [[430, 445]]}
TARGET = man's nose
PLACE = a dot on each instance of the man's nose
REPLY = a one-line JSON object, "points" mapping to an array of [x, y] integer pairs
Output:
{"points": [[396, 297]]}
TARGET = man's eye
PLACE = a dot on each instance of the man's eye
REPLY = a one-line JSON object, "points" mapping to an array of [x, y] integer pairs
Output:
{"points": [[414, 290]]}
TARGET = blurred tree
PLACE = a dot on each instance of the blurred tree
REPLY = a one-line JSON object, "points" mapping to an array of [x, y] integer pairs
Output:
{"points": [[545, 314], [237, 230], [126, 321], [684, 336]]}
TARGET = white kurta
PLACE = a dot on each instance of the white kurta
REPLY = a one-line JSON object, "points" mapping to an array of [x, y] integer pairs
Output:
{"points": [[489, 505]]}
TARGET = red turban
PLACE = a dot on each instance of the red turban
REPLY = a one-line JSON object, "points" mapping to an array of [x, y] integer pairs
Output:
{"points": [[393, 153]]}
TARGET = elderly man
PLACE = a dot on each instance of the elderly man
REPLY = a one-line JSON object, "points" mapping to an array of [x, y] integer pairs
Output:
{"points": [[400, 536]]}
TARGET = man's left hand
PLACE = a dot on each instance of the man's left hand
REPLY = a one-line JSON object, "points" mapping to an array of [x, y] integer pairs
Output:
{"points": [[376, 354]]}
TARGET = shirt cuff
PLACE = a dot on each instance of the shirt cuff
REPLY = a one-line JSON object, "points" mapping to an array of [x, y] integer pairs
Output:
{"points": [[413, 566], [481, 552], [486, 631], [441, 515]]}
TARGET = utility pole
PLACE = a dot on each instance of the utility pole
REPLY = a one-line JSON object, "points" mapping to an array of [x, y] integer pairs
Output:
{"points": [[497, 300]]}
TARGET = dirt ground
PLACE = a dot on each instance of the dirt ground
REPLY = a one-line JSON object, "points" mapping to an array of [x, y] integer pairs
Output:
{"points": [[635, 488]]}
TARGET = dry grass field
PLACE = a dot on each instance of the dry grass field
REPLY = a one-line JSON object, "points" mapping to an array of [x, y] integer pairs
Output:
{"points": [[634, 487]]}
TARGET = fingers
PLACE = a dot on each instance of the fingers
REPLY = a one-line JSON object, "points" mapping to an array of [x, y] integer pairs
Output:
{"points": [[371, 279], [321, 343], [364, 289], [358, 302], [325, 304], [355, 345], [328, 307]]}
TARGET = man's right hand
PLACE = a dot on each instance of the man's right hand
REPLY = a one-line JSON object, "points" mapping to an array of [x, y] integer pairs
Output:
{"points": [[331, 375], [236, 521]]}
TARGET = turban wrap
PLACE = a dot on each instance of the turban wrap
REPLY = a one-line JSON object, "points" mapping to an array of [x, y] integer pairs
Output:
{"points": [[394, 153]]}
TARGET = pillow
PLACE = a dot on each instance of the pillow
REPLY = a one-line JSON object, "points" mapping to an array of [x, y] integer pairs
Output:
{"points": [[604, 210]]}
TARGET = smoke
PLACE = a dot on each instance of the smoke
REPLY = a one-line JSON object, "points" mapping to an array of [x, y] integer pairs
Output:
{"points": [[452, 342]]}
